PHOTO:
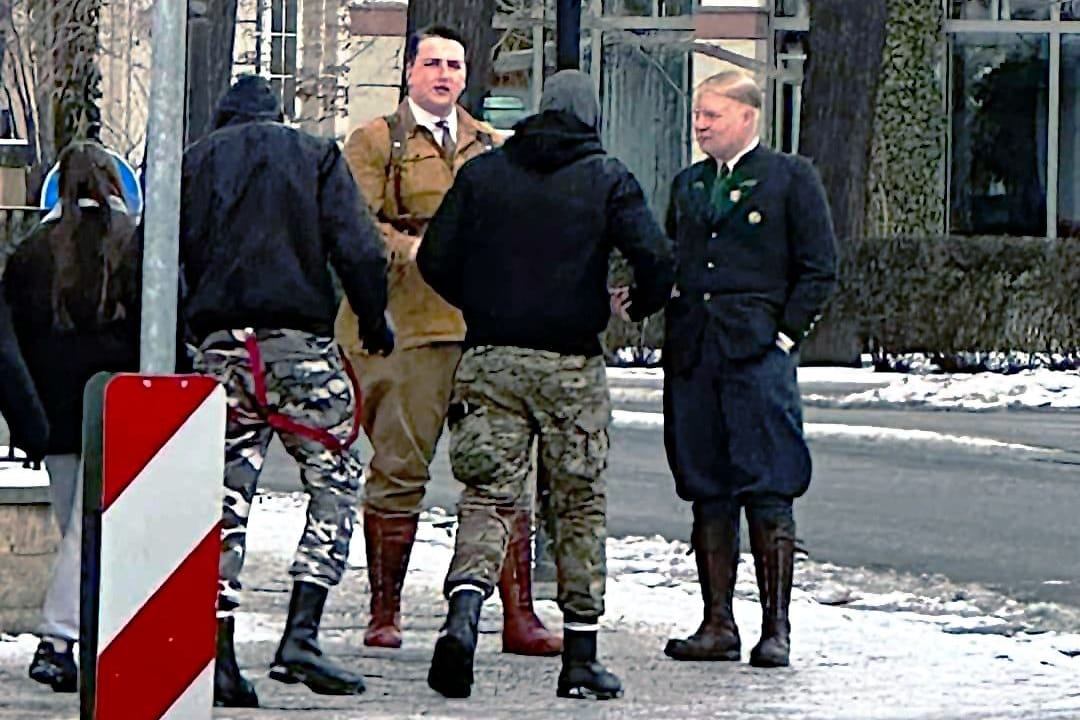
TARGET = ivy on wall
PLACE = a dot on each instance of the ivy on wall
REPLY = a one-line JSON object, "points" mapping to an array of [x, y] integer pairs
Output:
{"points": [[906, 188]]}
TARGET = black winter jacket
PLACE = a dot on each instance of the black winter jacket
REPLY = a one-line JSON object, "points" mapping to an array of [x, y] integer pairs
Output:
{"points": [[267, 211], [62, 361], [19, 402], [521, 242]]}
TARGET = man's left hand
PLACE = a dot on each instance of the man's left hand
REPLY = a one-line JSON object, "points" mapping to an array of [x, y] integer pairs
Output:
{"points": [[784, 343], [620, 302]]}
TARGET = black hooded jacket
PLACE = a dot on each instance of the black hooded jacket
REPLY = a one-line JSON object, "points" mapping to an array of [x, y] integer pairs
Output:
{"points": [[267, 211], [521, 242]]}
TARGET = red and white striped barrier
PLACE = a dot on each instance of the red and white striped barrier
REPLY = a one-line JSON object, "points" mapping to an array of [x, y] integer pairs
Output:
{"points": [[159, 540]]}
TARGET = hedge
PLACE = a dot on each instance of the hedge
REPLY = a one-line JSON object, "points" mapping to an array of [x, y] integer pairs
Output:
{"points": [[938, 295], [961, 294]]}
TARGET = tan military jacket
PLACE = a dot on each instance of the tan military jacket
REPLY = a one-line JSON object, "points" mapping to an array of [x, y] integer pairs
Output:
{"points": [[403, 202]]}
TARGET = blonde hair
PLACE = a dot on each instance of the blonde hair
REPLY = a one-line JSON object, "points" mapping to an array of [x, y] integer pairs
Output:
{"points": [[734, 84]]}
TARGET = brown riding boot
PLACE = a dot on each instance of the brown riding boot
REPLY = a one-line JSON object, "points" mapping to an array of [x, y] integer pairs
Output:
{"points": [[716, 548], [523, 633], [773, 546], [389, 542]]}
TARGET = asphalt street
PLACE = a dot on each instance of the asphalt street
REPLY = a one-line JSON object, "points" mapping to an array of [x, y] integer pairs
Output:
{"points": [[1001, 517]]}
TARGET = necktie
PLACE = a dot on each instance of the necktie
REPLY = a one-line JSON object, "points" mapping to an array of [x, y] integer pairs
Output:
{"points": [[447, 138], [719, 197]]}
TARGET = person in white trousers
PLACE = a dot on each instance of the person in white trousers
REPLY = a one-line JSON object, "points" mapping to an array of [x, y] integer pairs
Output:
{"points": [[73, 288]]}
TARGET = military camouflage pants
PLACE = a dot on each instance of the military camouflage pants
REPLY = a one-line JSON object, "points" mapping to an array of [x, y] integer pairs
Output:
{"points": [[503, 398], [306, 381]]}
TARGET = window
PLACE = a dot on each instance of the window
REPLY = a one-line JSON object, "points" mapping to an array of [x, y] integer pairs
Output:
{"points": [[1068, 210], [999, 9], [998, 98], [284, 18], [787, 90]]}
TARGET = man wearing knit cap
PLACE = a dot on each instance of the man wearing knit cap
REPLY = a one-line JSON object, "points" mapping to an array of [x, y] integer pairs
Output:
{"points": [[521, 244], [267, 211]]}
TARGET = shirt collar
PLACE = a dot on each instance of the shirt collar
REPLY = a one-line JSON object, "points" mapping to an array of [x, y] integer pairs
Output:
{"points": [[734, 162], [429, 120]]}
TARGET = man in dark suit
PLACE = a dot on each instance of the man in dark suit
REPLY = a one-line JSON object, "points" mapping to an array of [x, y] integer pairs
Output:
{"points": [[756, 255]]}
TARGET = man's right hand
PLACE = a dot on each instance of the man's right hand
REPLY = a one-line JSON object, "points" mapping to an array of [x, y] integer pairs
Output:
{"points": [[379, 340]]}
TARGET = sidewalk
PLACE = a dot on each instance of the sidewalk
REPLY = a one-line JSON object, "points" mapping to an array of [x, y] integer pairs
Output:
{"points": [[941, 662]]}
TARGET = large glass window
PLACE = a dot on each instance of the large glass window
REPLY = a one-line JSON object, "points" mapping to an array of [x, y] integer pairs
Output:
{"points": [[999, 108], [284, 16], [999, 9], [1069, 139]]}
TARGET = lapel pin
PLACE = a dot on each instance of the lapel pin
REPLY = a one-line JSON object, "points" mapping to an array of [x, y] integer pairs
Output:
{"points": [[734, 196], [754, 217]]}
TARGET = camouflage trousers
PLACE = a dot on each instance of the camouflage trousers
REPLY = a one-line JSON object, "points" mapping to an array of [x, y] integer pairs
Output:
{"points": [[306, 381], [503, 399]]}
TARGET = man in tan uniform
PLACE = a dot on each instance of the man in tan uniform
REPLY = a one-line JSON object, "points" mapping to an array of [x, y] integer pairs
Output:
{"points": [[405, 163]]}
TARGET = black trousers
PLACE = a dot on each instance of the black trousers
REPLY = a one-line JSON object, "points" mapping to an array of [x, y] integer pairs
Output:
{"points": [[733, 430]]}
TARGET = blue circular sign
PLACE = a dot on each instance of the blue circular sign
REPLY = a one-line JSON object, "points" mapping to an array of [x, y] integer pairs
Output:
{"points": [[129, 182]]}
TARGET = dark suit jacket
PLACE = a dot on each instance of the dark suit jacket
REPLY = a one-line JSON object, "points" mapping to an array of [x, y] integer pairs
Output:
{"points": [[765, 265]]}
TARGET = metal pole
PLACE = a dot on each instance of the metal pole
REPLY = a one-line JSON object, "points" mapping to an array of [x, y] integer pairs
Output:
{"points": [[165, 147], [568, 35]]}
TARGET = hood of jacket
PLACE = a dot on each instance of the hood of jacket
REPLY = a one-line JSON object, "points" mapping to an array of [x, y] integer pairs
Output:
{"points": [[551, 140]]}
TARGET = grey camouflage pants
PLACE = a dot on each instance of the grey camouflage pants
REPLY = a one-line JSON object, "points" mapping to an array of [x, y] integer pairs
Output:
{"points": [[307, 382], [503, 399]]}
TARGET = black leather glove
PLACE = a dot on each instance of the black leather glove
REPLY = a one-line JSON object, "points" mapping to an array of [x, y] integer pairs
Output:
{"points": [[379, 340]]}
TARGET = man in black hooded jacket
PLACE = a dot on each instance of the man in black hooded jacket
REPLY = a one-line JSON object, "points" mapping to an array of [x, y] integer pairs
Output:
{"points": [[267, 211], [521, 244]]}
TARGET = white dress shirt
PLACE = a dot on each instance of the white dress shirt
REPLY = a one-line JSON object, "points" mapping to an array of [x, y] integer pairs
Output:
{"points": [[430, 121]]}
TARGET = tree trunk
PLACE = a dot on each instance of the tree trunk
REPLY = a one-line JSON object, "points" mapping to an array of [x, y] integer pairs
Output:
{"points": [[843, 68], [473, 19], [77, 80], [211, 34], [308, 87], [328, 73]]}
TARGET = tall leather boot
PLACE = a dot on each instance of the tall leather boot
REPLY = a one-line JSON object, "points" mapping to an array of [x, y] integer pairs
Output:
{"points": [[389, 542], [715, 540], [451, 672], [523, 633], [582, 677], [773, 545], [299, 658], [231, 689]]}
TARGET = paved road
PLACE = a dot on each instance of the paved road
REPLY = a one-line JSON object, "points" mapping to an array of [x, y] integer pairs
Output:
{"points": [[1005, 518]]}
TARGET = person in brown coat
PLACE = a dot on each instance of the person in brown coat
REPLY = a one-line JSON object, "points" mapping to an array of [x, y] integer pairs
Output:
{"points": [[405, 163]]}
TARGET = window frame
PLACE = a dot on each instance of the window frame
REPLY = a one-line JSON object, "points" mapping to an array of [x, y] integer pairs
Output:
{"points": [[284, 35], [1054, 28]]}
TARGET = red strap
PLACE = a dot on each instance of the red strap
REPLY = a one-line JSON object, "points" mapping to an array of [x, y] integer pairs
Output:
{"points": [[284, 423]]}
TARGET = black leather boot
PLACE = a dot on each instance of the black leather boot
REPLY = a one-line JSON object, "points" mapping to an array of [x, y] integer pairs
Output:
{"points": [[231, 689], [773, 545], [451, 673], [715, 539], [299, 658], [54, 665], [582, 677]]}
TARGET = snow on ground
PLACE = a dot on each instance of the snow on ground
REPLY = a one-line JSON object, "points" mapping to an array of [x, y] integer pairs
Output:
{"points": [[978, 391], [14, 475], [652, 582], [1039, 388], [858, 634]]}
